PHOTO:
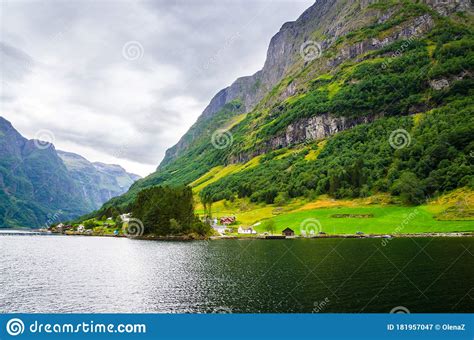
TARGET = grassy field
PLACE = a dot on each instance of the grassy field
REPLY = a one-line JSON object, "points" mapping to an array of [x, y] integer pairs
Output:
{"points": [[383, 220], [376, 214]]}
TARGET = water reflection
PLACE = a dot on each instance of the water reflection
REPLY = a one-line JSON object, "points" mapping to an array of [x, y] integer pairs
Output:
{"points": [[92, 274]]}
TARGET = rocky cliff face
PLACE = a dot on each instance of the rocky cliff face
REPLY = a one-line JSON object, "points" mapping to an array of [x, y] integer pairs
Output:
{"points": [[308, 129], [323, 126], [445, 7], [281, 55], [416, 27], [330, 20]]}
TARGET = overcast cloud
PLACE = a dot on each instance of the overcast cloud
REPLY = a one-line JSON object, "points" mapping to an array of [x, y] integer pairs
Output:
{"points": [[121, 81]]}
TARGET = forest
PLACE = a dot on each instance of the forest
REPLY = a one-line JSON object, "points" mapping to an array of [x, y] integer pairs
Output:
{"points": [[168, 211]]}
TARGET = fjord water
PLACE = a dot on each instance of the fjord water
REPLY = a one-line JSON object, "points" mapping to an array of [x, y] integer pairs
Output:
{"points": [[93, 274]]}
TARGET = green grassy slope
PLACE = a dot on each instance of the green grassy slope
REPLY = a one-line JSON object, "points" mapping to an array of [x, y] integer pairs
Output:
{"points": [[393, 87], [385, 220]]}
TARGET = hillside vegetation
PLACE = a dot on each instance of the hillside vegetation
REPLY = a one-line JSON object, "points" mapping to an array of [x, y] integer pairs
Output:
{"points": [[386, 108]]}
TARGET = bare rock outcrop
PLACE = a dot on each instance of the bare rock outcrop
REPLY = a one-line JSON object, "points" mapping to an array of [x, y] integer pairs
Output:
{"points": [[304, 130]]}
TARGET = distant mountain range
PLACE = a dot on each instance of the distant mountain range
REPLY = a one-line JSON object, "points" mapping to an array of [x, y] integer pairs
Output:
{"points": [[41, 185], [98, 182]]}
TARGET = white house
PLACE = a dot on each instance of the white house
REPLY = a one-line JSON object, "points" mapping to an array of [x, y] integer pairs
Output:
{"points": [[81, 228], [248, 230]]}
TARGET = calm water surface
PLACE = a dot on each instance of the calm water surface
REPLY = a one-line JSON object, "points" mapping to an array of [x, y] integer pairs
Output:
{"points": [[93, 274]]}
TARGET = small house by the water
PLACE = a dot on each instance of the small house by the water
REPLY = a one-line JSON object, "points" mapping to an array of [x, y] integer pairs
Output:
{"points": [[248, 230], [288, 232]]}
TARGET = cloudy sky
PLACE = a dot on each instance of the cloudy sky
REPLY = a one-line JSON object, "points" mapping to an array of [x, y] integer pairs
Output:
{"points": [[121, 81]]}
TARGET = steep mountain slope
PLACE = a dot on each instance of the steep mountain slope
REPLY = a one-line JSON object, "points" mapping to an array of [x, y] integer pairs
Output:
{"points": [[34, 183], [282, 54], [397, 75], [97, 182], [36, 187]]}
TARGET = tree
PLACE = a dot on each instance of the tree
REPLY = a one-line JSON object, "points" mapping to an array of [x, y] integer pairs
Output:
{"points": [[175, 227], [201, 228], [89, 224], [118, 222], [165, 210], [270, 226], [206, 201], [409, 188], [282, 199]]}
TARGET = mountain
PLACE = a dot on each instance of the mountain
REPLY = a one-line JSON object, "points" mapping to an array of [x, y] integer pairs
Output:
{"points": [[34, 182], [97, 182], [39, 184], [355, 98]]}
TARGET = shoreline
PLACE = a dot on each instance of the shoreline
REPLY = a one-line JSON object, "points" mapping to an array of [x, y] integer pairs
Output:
{"points": [[365, 236], [246, 237], [281, 237]]}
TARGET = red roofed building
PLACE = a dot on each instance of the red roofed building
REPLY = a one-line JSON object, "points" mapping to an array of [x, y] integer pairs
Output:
{"points": [[227, 220]]}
